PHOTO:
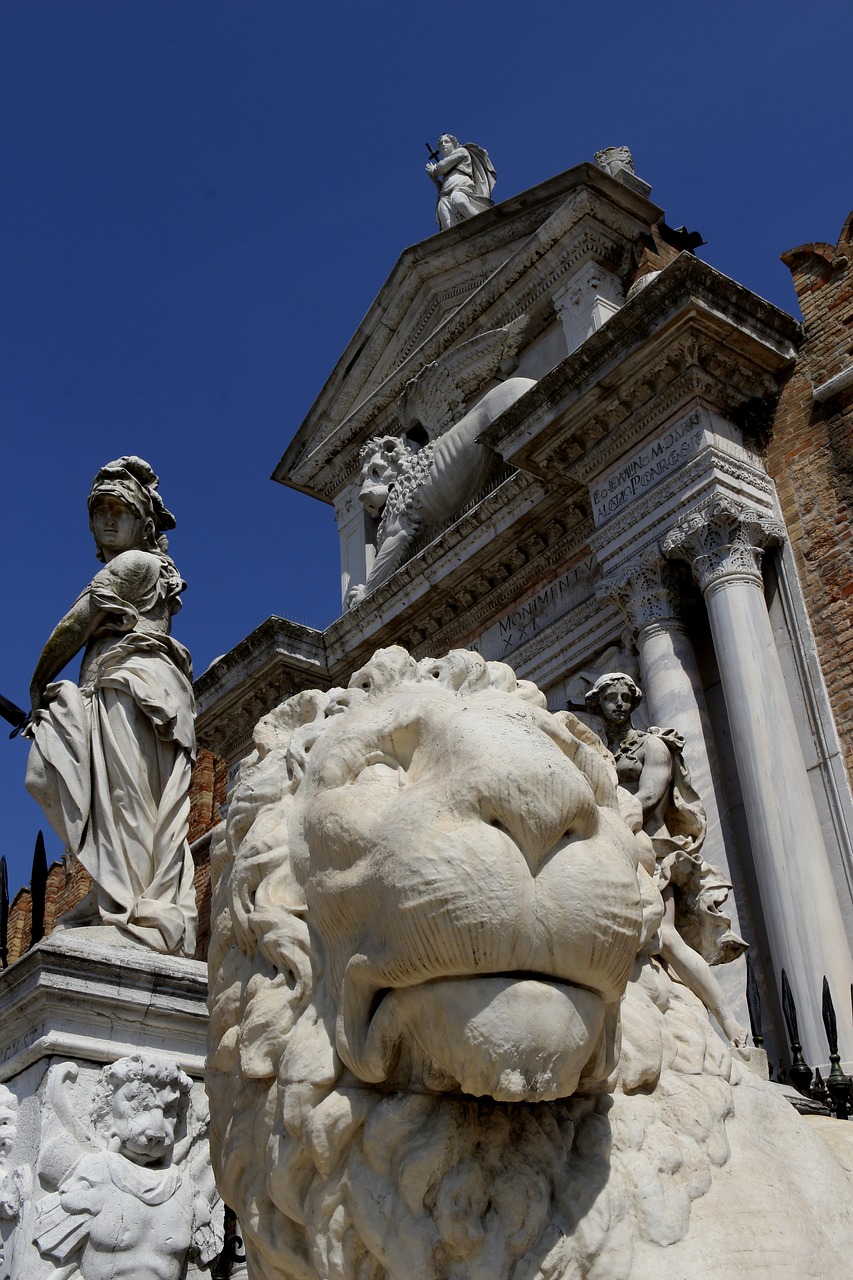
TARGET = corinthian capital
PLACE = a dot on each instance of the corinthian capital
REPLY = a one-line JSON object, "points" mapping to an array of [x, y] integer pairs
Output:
{"points": [[723, 543], [649, 590]]}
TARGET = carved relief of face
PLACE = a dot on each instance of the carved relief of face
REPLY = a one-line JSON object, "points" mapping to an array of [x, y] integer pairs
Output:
{"points": [[8, 1128], [144, 1117], [116, 527], [378, 474], [480, 911], [445, 144], [616, 702]]}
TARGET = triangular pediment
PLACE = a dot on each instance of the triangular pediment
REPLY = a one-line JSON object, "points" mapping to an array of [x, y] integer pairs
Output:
{"points": [[455, 287]]}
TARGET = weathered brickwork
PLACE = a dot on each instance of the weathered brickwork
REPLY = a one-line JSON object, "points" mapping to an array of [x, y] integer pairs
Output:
{"points": [[810, 456], [68, 882]]}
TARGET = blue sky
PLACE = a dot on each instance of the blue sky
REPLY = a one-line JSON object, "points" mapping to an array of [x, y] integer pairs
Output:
{"points": [[200, 201]]}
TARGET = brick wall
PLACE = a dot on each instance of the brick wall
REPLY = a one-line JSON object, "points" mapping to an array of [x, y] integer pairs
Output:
{"points": [[810, 456]]}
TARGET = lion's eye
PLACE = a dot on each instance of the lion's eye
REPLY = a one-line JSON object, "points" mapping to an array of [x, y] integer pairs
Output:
{"points": [[379, 767]]}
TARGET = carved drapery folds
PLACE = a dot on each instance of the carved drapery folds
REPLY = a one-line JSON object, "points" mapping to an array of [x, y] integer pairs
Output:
{"points": [[723, 543]]}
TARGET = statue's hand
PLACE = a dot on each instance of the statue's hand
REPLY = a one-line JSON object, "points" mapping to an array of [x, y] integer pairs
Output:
{"points": [[430, 169], [41, 698], [355, 595]]}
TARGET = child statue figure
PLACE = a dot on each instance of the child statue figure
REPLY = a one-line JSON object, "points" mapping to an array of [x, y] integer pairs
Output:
{"points": [[660, 805], [111, 757]]}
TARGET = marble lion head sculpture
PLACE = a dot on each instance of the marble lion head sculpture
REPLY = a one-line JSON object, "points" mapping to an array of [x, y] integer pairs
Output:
{"points": [[437, 1048]]}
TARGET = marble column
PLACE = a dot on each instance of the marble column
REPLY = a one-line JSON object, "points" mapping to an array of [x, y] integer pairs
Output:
{"points": [[650, 592], [723, 544]]}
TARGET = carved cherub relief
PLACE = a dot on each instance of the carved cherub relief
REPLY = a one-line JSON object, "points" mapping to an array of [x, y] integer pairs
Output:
{"points": [[130, 1191]]}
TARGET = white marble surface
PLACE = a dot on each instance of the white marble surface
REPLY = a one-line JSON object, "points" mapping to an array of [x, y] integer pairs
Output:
{"points": [[90, 994], [113, 1176], [111, 756], [439, 1046], [87, 998], [798, 895]]}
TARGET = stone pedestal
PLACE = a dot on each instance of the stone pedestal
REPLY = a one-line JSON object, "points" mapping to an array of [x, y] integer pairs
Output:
{"points": [[101, 1038], [723, 543]]}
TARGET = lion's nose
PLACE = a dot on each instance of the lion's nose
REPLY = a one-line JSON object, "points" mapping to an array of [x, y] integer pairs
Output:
{"points": [[543, 819], [516, 779]]}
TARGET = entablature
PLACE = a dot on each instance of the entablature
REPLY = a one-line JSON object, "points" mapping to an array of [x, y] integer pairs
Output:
{"points": [[690, 333]]}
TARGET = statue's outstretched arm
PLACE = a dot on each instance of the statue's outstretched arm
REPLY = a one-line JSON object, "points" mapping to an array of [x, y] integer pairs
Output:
{"points": [[68, 637]]}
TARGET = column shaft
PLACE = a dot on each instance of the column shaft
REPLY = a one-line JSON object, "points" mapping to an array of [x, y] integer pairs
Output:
{"points": [[723, 543]]}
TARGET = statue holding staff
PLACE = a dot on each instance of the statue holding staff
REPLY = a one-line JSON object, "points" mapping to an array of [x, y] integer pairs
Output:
{"points": [[111, 756], [464, 176]]}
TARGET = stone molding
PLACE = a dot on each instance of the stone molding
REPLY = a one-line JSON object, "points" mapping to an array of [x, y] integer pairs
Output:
{"points": [[482, 569], [650, 592], [88, 994], [275, 660], [712, 474], [723, 543], [677, 339]]}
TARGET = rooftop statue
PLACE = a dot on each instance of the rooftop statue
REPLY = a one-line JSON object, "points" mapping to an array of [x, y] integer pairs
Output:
{"points": [[111, 756], [440, 1044], [464, 176]]}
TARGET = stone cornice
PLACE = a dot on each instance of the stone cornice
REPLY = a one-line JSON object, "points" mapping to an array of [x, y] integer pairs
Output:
{"points": [[275, 660], [505, 547], [692, 330], [496, 553], [89, 995], [715, 473]]}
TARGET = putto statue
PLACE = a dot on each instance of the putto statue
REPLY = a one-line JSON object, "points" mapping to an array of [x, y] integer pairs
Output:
{"points": [[439, 1043], [132, 1197], [111, 757], [658, 802], [465, 177]]}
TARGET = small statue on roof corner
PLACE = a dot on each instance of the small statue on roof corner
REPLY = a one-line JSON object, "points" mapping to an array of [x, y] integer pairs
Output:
{"points": [[464, 176], [615, 159]]}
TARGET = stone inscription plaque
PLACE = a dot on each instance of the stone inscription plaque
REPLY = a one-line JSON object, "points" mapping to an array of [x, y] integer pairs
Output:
{"points": [[524, 621], [640, 472]]}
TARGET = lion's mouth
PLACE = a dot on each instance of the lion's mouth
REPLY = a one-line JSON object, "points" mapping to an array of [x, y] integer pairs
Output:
{"points": [[516, 1037]]}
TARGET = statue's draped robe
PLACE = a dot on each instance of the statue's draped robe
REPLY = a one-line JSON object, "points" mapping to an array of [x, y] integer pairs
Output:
{"points": [[111, 759]]}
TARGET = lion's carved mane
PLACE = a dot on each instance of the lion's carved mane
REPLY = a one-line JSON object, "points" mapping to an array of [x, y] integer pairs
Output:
{"points": [[337, 1178]]}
